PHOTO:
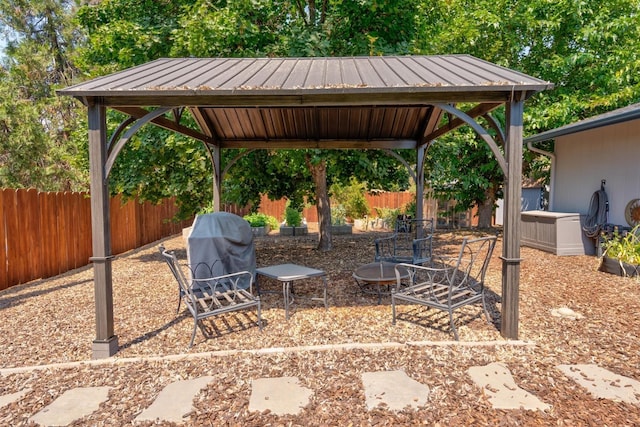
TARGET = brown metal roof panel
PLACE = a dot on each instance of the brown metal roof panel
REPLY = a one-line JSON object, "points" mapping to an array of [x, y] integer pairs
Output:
{"points": [[495, 73], [389, 77], [349, 72], [108, 80], [479, 75], [333, 74], [264, 77], [280, 74], [367, 72], [147, 79], [403, 69], [255, 69], [174, 75], [298, 74], [316, 74], [209, 71], [444, 75]]}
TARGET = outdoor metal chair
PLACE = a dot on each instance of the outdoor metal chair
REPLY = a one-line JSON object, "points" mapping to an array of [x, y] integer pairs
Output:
{"points": [[410, 243], [449, 283], [211, 296]]}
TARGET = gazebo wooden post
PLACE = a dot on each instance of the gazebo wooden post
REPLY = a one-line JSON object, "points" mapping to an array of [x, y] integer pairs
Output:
{"points": [[106, 342], [217, 177], [512, 206], [420, 151]]}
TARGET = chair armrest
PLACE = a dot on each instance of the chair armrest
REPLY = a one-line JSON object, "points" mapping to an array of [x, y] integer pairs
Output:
{"points": [[419, 275]]}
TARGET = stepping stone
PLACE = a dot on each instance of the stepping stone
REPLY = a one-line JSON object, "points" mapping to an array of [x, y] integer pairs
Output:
{"points": [[71, 406], [10, 398], [603, 384], [566, 313], [498, 385], [281, 396], [175, 401], [395, 390]]}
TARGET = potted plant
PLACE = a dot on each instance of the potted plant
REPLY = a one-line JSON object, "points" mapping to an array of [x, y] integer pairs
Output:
{"points": [[339, 220], [261, 223], [293, 222], [621, 253]]}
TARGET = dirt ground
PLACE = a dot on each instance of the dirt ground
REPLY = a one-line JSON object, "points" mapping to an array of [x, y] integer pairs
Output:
{"points": [[52, 321]]}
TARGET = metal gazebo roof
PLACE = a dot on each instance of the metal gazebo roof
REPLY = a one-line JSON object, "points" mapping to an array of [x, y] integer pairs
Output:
{"points": [[351, 102], [354, 102]]}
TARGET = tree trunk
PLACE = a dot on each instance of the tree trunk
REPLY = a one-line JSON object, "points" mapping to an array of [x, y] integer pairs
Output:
{"points": [[485, 209], [323, 207]]}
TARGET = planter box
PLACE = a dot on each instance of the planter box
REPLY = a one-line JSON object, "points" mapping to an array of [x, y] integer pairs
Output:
{"points": [[294, 231], [614, 266], [342, 229], [260, 231]]}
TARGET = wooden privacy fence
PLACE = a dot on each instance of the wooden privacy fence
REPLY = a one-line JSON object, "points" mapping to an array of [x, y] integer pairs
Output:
{"points": [[46, 234], [392, 200]]}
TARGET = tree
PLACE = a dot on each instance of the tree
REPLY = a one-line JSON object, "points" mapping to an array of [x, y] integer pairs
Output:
{"points": [[122, 33], [589, 50], [39, 142]]}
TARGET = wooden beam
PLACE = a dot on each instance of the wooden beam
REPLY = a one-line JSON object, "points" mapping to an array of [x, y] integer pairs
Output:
{"points": [[476, 111], [292, 99], [322, 143], [165, 123]]}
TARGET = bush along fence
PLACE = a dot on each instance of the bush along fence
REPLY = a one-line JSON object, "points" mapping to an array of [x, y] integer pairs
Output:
{"points": [[45, 234]]}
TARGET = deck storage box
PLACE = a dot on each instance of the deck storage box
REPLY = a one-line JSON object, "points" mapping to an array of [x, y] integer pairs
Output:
{"points": [[557, 232]]}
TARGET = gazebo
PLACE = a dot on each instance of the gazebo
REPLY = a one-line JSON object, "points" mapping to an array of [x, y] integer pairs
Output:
{"points": [[393, 102]]}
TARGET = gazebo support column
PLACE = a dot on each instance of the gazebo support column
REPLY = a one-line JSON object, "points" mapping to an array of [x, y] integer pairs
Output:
{"points": [[511, 241], [421, 150], [217, 177], [106, 342]]}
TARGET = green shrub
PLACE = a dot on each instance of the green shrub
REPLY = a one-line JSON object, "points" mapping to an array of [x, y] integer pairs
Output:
{"points": [[260, 220], [292, 216], [338, 215], [352, 197], [624, 248], [389, 216]]}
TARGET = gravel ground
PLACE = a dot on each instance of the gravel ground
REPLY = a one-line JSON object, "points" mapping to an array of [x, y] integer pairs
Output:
{"points": [[52, 321]]}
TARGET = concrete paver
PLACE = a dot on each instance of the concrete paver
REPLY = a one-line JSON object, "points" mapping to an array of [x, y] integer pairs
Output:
{"points": [[12, 397], [604, 384], [393, 389], [174, 401], [503, 393], [72, 405], [283, 395]]}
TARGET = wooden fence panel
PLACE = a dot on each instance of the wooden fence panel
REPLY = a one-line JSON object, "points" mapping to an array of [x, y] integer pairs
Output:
{"points": [[31, 228], [46, 234], [18, 237], [391, 200], [4, 280]]}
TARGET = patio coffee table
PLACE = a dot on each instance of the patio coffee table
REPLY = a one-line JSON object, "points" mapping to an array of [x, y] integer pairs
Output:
{"points": [[287, 274], [372, 277]]}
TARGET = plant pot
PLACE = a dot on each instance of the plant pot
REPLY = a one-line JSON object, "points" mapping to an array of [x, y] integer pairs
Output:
{"points": [[615, 266], [294, 231], [260, 231], [342, 229]]}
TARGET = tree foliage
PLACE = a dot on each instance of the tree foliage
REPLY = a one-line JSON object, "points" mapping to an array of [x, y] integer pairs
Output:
{"points": [[40, 142], [588, 49]]}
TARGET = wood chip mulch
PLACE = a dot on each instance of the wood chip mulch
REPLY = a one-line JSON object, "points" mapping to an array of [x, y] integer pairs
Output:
{"points": [[52, 321]]}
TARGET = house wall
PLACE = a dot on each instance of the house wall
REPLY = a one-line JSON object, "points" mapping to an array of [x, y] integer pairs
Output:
{"points": [[584, 159]]}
